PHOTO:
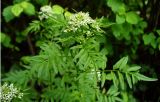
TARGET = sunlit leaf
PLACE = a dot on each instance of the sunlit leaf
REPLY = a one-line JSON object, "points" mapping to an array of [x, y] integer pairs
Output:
{"points": [[132, 18], [120, 19], [135, 68], [57, 9], [103, 79], [121, 80], [134, 79], [7, 13], [144, 78], [28, 8], [116, 6], [67, 14], [17, 9], [109, 76], [121, 63], [115, 80], [129, 80]]}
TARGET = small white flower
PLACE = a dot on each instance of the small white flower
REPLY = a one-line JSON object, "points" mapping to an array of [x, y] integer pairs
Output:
{"points": [[20, 95], [78, 20], [46, 9], [8, 92], [45, 12]]}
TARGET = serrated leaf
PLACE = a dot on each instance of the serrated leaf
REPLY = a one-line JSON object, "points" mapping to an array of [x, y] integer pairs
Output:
{"points": [[116, 94], [40, 70], [57, 9], [82, 60], [109, 76], [120, 19], [118, 99], [132, 18], [109, 99], [28, 8], [121, 63], [18, 77], [17, 9], [103, 79], [121, 80], [87, 62], [134, 79], [129, 80], [112, 90], [144, 78], [79, 54], [115, 80], [113, 99], [135, 68], [7, 13], [125, 96], [105, 99]]}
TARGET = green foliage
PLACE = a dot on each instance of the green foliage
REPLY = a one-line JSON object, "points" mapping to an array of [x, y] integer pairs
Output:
{"points": [[132, 17], [5, 40], [116, 6], [10, 12], [149, 40], [71, 64], [17, 9], [120, 19], [7, 13], [42, 2], [57, 9], [28, 8], [75, 57]]}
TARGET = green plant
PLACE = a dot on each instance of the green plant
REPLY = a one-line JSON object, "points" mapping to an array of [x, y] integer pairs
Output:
{"points": [[71, 64], [12, 11]]}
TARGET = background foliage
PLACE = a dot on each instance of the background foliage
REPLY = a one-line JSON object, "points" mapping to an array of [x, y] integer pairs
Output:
{"points": [[130, 28]]}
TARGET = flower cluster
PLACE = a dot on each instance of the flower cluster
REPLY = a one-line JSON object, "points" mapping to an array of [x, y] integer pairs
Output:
{"points": [[9, 92], [45, 12], [80, 19]]}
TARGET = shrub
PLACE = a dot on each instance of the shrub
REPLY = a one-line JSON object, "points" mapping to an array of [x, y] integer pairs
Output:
{"points": [[71, 65]]}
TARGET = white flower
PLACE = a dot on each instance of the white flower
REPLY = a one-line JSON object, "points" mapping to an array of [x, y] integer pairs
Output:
{"points": [[46, 9], [78, 20], [45, 12], [8, 92]]}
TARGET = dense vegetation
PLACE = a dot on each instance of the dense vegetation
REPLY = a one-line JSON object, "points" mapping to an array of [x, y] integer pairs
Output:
{"points": [[80, 51]]}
